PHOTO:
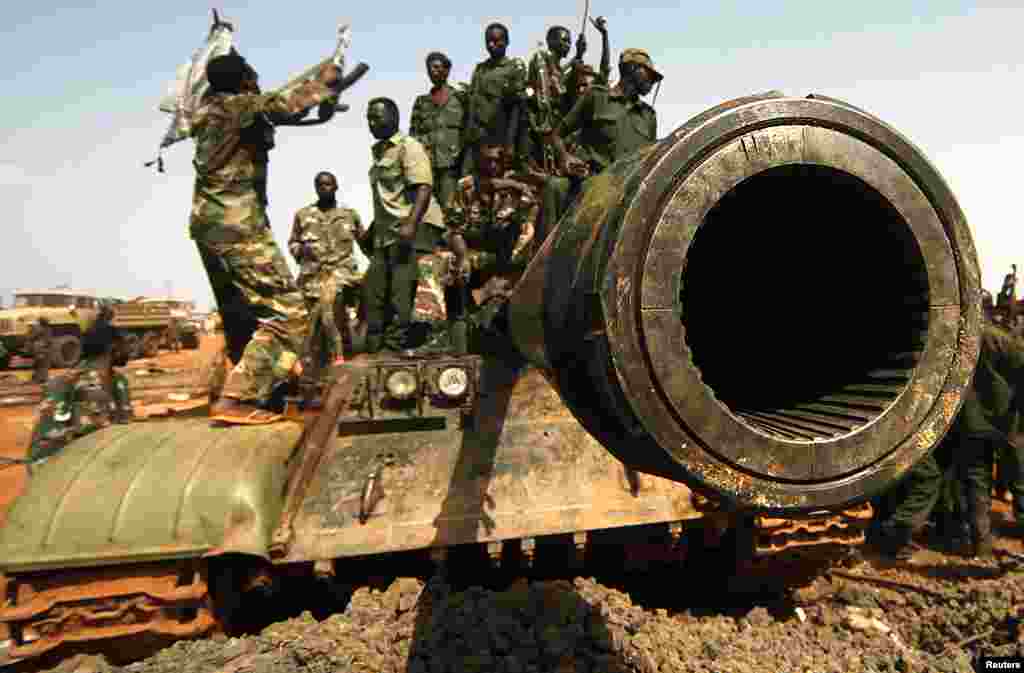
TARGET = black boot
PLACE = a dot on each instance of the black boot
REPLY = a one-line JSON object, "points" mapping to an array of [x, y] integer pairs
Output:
{"points": [[897, 544]]}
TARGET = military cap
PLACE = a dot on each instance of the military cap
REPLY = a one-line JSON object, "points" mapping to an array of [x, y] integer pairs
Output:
{"points": [[640, 57]]}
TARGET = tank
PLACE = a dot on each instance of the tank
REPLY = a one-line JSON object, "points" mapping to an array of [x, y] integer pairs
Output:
{"points": [[679, 357]]}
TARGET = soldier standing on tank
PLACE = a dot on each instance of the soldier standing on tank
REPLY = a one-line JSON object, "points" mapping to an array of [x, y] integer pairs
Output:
{"points": [[438, 121], [322, 243], [980, 429], [548, 97], [40, 341], [496, 94], [612, 123], [407, 224], [263, 310], [490, 236]]}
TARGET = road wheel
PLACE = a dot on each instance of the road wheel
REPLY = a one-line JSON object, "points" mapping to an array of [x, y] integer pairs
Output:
{"points": [[65, 352]]}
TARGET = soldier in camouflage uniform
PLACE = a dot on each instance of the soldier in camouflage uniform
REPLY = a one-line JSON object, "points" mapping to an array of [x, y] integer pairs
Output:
{"points": [[490, 236], [40, 340], [438, 121], [407, 224], [612, 122], [263, 311], [496, 94], [89, 397], [979, 430], [322, 243]]}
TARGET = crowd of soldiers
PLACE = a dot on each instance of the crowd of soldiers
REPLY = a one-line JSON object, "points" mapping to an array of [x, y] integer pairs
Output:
{"points": [[459, 205], [952, 486]]}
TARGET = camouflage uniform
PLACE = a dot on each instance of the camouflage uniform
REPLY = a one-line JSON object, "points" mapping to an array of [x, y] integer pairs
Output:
{"points": [[399, 165], [495, 93], [255, 292], [78, 403], [40, 339], [610, 126], [322, 244], [439, 129], [498, 227]]}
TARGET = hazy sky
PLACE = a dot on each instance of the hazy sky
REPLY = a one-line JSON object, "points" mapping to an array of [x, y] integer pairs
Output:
{"points": [[82, 86]]}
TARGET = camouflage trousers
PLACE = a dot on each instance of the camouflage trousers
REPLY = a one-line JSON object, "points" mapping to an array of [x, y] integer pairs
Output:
{"points": [[326, 313], [262, 309], [76, 404]]}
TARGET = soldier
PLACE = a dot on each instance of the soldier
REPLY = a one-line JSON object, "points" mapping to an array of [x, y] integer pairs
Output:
{"points": [[582, 76], [548, 88], [322, 243], [980, 429], [490, 234], [612, 122], [438, 121], [40, 340], [89, 397], [496, 93], [263, 311], [1007, 298], [407, 224]]}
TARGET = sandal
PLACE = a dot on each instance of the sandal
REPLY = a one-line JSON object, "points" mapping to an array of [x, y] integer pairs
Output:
{"points": [[234, 412]]}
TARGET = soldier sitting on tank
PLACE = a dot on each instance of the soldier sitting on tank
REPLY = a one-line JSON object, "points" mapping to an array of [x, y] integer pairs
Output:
{"points": [[40, 341], [438, 121], [490, 236], [496, 94], [89, 397], [613, 122], [322, 243]]}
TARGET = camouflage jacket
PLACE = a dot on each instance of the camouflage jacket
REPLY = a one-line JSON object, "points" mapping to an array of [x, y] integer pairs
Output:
{"points": [[233, 134], [995, 396], [493, 91], [610, 126], [548, 90], [497, 224], [76, 404], [324, 240], [439, 128]]}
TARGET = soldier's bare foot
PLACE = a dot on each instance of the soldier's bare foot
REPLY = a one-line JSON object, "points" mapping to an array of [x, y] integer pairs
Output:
{"points": [[235, 412]]}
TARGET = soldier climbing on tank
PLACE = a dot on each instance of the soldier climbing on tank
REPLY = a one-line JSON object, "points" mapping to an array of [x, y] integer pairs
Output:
{"points": [[322, 243], [490, 236], [89, 397], [992, 401], [438, 121], [263, 311], [496, 94], [407, 225], [612, 122], [40, 340]]}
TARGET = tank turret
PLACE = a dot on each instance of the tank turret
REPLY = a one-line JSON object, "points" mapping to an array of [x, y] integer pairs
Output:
{"points": [[777, 303]]}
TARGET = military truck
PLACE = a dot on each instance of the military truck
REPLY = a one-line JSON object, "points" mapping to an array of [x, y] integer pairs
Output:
{"points": [[66, 309], [615, 402], [145, 324]]}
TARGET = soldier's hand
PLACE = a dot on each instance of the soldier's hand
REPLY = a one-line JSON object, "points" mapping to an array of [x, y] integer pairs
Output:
{"points": [[601, 24], [407, 230], [575, 166], [329, 75], [581, 46]]}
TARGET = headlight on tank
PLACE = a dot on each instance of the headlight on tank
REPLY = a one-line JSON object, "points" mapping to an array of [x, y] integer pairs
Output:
{"points": [[401, 384], [453, 382]]}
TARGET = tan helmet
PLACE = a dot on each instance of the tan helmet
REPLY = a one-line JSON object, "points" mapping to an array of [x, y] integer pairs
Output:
{"points": [[640, 57]]}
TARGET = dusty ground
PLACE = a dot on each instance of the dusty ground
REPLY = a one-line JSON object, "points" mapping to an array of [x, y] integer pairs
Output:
{"points": [[936, 613]]}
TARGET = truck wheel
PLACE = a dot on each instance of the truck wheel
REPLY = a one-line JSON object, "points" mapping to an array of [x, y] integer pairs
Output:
{"points": [[190, 341], [66, 352]]}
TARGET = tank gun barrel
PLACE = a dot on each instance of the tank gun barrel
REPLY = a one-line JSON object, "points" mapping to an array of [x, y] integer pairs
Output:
{"points": [[778, 304]]}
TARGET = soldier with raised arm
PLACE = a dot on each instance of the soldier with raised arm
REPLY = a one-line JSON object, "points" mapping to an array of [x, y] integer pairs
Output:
{"points": [[438, 121], [322, 242], [496, 94], [263, 310]]}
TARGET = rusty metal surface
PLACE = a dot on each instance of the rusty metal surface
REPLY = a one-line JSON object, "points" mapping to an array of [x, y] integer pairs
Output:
{"points": [[846, 528], [629, 249], [131, 493], [45, 610], [527, 469]]}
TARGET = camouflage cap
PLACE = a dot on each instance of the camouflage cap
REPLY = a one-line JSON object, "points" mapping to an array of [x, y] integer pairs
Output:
{"points": [[640, 57]]}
